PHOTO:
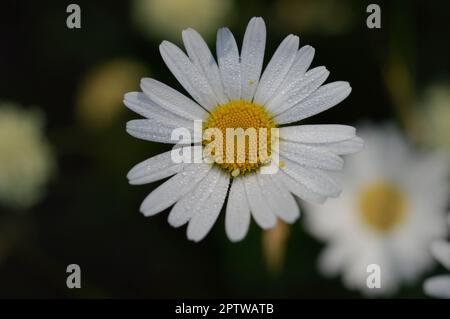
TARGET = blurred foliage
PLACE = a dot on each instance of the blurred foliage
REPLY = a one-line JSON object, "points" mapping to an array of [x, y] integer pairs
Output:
{"points": [[90, 216]]}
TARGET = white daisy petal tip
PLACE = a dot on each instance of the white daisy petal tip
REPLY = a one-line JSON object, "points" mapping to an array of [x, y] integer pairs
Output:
{"points": [[345, 85], [257, 20], [320, 69], [305, 55], [224, 33], [348, 89], [341, 89], [308, 48], [252, 56], [154, 169], [236, 240], [129, 97], [164, 45], [187, 31], [133, 174], [190, 235], [129, 127], [146, 211], [144, 80], [239, 234]]}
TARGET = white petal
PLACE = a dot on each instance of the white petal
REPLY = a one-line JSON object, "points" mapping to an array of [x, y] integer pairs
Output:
{"points": [[298, 189], [201, 56], [441, 251], [277, 69], [280, 200], [172, 100], [154, 169], [207, 213], [258, 205], [438, 286], [230, 68], [325, 97], [186, 207], [141, 104], [237, 217], [328, 133], [310, 156], [342, 148], [173, 189], [301, 63], [298, 90], [153, 130], [188, 75], [333, 258], [314, 179], [252, 57]]}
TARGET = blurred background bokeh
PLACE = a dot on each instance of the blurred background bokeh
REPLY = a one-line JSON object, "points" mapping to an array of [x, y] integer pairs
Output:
{"points": [[64, 152]]}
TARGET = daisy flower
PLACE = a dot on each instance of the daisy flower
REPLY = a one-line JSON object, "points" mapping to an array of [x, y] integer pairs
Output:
{"points": [[233, 94], [439, 286], [26, 158], [391, 209]]}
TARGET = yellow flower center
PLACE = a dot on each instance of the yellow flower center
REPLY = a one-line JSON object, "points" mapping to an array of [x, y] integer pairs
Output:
{"points": [[246, 145], [383, 206]]}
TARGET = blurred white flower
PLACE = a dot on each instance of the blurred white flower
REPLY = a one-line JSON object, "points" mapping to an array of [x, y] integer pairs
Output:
{"points": [[391, 209], [165, 18], [435, 113], [439, 286], [25, 157]]}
